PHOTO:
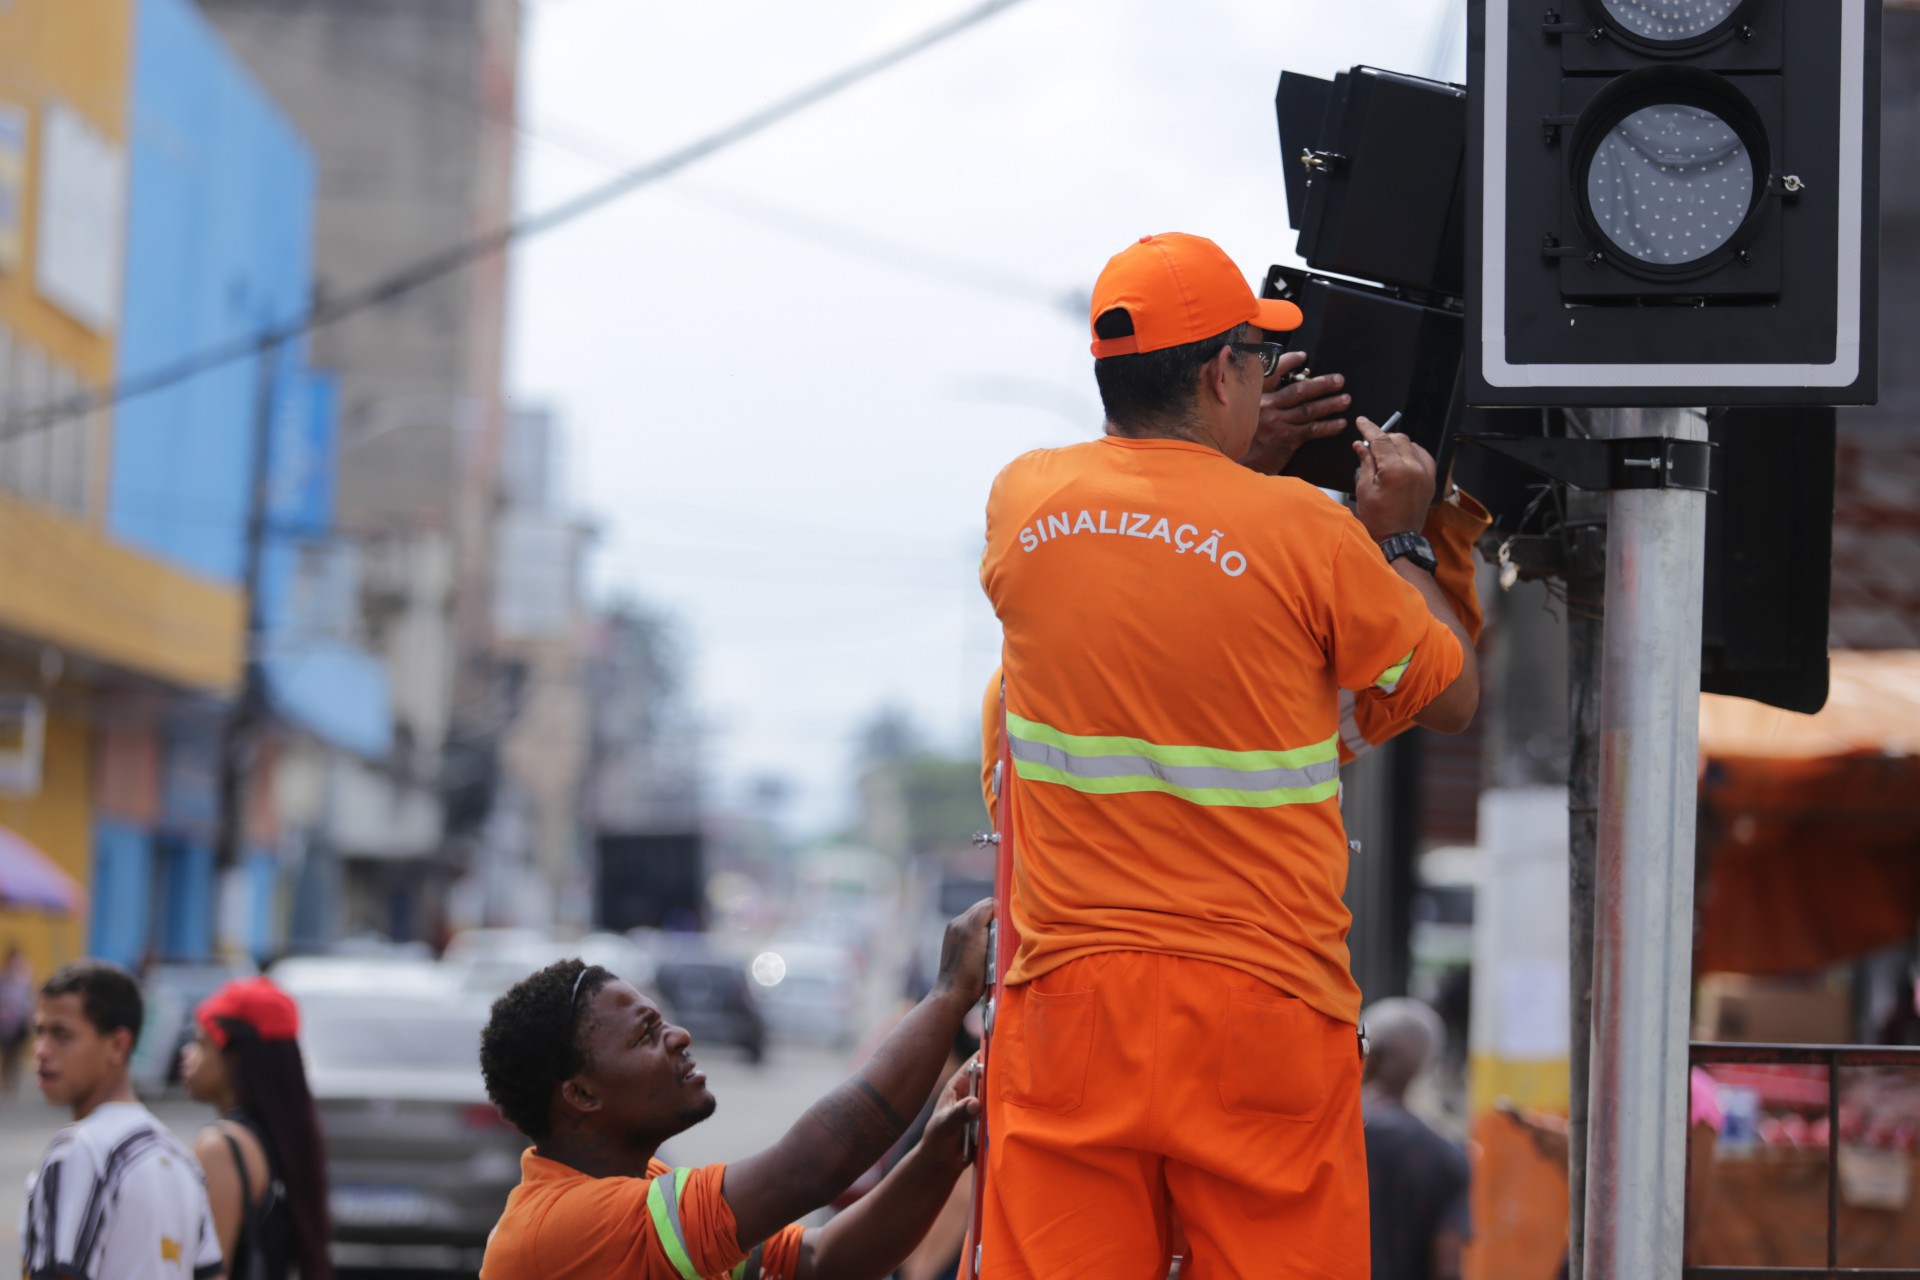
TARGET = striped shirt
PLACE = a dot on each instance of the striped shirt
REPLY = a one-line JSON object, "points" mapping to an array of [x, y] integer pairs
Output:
{"points": [[117, 1197]]}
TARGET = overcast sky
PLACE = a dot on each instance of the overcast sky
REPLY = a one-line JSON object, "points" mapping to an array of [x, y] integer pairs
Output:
{"points": [[788, 375]]}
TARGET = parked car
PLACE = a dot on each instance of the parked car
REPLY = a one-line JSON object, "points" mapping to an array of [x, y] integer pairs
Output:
{"points": [[487, 966], [419, 1161], [485, 962], [621, 957], [708, 993], [173, 990], [310, 977]]}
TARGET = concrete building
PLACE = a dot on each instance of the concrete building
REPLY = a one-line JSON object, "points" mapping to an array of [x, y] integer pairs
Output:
{"points": [[408, 105], [646, 775], [643, 797], [535, 866]]}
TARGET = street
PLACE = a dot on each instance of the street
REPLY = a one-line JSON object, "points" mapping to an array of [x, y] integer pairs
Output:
{"points": [[756, 1105]]}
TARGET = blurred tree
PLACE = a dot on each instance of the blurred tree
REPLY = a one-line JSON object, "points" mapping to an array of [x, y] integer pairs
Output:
{"points": [[915, 799]]}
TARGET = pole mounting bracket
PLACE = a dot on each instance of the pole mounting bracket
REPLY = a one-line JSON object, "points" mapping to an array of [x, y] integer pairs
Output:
{"points": [[1626, 462]]}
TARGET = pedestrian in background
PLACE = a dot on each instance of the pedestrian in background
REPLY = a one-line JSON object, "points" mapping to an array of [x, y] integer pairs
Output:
{"points": [[16, 1016], [1417, 1181], [116, 1195], [264, 1159]]}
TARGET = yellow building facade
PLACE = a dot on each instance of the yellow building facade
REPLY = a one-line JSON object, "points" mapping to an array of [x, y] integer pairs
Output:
{"points": [[92, 632]]}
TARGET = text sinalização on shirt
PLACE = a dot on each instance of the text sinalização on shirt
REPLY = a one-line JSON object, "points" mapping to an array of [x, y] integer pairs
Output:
{"points": [[1182, 538]]}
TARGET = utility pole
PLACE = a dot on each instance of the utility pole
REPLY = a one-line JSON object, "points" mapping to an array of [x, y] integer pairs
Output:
{"points": [[1643, 866], [240, 734]]}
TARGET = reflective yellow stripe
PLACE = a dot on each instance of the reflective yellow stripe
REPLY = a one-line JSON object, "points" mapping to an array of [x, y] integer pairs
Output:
{"points": [[665, 1213], [1390, 679], [1116, 765], [1215, 757]]}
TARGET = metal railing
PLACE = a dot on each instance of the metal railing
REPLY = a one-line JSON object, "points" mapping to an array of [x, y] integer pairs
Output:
{"points": [[1833, 1057]]}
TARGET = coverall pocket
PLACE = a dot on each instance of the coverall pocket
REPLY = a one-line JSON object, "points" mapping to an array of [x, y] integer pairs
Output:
{"points": [[1052, 1044], [1274, 1062]]}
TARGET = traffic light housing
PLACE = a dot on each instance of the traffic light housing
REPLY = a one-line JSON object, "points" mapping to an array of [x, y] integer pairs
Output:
{"points": [[1769, 563], [1672, 202], [1397, 355], [1375, 166]]}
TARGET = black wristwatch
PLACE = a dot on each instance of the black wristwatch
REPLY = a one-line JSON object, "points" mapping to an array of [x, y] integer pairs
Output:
{"points": [[1413, 547]]}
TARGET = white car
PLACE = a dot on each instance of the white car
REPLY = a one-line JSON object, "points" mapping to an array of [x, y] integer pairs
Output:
{"points": [[810, 991], [419, 1162]]}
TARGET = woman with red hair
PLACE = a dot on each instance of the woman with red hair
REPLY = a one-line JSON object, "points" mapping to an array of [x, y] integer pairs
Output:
{"points": [[264, 1160]]}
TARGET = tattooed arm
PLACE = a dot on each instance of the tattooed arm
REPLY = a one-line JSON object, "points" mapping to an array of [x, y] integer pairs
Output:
{"points": [[875, 1236], [841, 1135]]}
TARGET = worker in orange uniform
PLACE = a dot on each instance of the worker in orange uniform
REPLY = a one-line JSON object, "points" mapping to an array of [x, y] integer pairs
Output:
{"points": [[1179, 1026], [591, 1071]]}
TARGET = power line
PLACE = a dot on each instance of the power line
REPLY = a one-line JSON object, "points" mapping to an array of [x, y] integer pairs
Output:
{"points": [[887, 253], [436, 266], [570, 140]]}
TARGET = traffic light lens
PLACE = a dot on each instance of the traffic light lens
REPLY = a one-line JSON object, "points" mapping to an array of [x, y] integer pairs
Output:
{"points": [[1669, 184], [1670, 21]]}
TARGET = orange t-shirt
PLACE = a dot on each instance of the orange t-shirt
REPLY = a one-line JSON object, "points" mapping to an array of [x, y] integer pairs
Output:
{"points": [[673, 1224], [1176, 632]]}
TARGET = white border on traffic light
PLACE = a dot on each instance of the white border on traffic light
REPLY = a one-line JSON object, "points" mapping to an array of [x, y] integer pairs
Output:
{"points": [[1845, 366]]}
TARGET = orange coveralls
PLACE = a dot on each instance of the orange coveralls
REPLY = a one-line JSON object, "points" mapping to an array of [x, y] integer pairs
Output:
{"points": [[1178, 1024]]}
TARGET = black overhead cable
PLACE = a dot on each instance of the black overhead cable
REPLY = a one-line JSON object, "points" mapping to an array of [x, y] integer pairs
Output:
{"points": [[446, 262], [857, 241]]}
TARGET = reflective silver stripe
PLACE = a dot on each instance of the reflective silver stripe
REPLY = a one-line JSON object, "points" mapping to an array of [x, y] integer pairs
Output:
{"points": [[1350, 734], [1192, 777]]}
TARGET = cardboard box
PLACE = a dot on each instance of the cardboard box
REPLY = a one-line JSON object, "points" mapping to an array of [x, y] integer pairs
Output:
{"points": [[1732, 1006]]}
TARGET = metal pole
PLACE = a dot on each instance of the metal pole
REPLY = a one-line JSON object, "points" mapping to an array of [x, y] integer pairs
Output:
{"points": [[1643, 903], [240, 733], [1586, 583]]}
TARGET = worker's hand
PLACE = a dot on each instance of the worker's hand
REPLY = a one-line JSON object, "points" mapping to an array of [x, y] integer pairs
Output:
{"points": [[1395, 484], [963, 955], [1293, 413], [945, 1141]]}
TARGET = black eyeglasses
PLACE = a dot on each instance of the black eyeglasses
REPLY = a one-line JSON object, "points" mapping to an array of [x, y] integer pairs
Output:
{"points": [[1269, 353]]}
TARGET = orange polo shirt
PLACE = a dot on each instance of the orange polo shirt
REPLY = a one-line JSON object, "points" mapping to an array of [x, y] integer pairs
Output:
{"points": [[1177, 629], [1453, 527], [673, 1224]]}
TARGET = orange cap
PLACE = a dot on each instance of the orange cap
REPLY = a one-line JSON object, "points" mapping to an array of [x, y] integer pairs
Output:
{"points": [[1179, 289]]}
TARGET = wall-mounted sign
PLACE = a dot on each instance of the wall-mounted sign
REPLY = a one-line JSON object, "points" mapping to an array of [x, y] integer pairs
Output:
{"points": [[23, 729], [82, 223]]}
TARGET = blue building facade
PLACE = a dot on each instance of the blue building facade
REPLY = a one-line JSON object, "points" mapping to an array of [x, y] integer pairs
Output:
{"points": [[219, 248]]}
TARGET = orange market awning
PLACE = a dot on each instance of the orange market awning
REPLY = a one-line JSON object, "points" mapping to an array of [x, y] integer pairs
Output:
{"points": [[1810, 825]]}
